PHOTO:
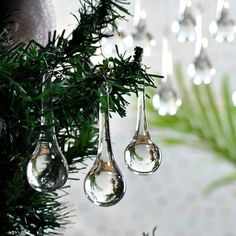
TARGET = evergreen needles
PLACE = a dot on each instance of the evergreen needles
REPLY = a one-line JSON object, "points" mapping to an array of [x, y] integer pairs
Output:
{"points": [[153, 232]]}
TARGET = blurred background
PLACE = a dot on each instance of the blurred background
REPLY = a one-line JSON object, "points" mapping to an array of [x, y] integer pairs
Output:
{"points": [[173, 198]]}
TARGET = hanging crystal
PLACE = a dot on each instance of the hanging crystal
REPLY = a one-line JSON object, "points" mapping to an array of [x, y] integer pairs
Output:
{"points": [[104, 184], [223, 27], [184, 26], [142, 156], [201, 70], [47, 169], [117, 36], [166, 101], [140, 36]]}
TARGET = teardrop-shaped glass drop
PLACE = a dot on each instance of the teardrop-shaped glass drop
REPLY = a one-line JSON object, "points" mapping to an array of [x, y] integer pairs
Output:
{"points": [[108, 44], [201, 70], [142, 156], [223, 27], [184, 26], [166, 101], [104, 184], [47, 169], [140, 36]]}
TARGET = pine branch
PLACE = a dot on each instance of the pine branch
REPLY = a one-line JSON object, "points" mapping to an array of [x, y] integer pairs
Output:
{"points": [[74, 89], [153, 232]]}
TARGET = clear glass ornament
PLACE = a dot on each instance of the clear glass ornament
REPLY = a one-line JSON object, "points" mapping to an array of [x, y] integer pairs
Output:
{"points": [[47, 169], [223, 27], [108, 44], [140, 36], [166, 101], [104, 184], [142, 156], [201, 70], [184, 26]]}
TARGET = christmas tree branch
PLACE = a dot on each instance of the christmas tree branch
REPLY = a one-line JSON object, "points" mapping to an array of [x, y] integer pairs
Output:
{"points": [[74, 90]]}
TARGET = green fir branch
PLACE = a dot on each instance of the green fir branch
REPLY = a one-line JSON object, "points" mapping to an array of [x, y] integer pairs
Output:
{"points": [[75, 95], [153, 232]]}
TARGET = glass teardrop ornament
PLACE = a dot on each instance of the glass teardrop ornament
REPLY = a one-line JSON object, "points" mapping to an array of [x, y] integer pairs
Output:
{"points": [[108, 44], [201, 70], [142, 155], [184, 26], [47, 169], [166, 101], [104, 184], [140, 36], [223, 27]]}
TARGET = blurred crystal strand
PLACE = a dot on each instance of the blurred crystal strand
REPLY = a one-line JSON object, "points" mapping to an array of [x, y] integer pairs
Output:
{"points": [[139, 35], [201, 70], [106, 47], [223, 27], [117, 36], [166, 101], [184, 26]]}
